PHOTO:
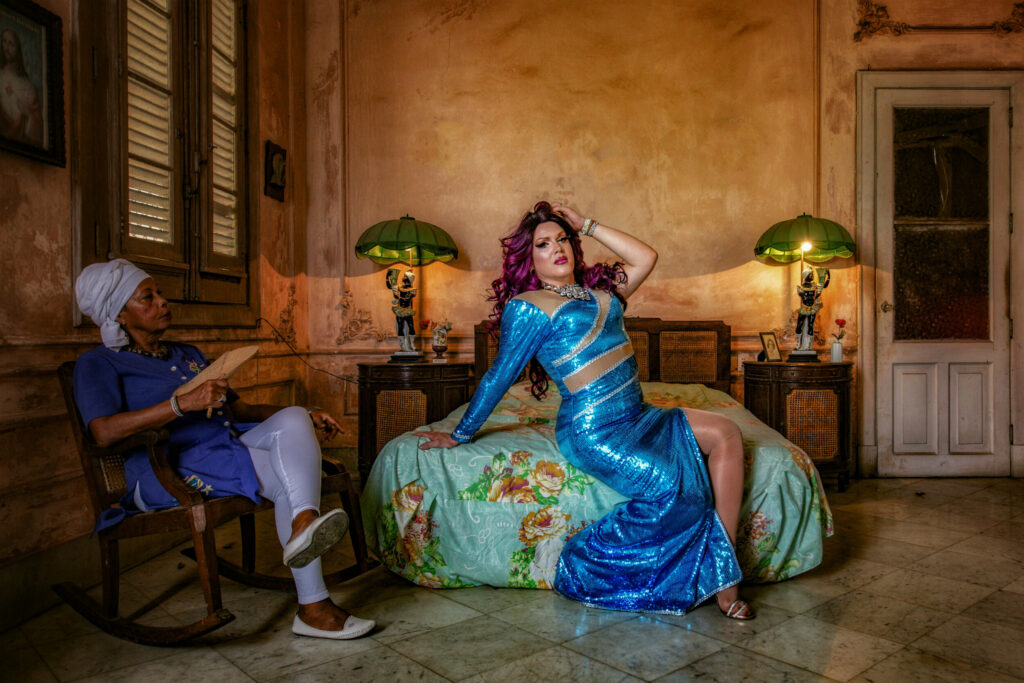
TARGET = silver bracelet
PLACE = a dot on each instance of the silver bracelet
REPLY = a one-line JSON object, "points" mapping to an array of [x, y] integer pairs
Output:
{"points": [[175, 407], [589, 225]]}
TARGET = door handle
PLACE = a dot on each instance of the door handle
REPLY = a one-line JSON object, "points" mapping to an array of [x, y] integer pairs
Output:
{"points": [[886, 307]]}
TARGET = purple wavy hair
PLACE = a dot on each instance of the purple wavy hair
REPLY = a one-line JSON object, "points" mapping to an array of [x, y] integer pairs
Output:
{"points": [[518, 276]]}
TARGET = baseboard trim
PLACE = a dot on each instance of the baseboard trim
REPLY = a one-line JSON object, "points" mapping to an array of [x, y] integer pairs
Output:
{"points": [[867, 461]]}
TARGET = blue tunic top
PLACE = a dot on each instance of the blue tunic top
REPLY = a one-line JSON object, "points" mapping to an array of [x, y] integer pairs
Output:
{"points": [[665, 550], [205, 451]]}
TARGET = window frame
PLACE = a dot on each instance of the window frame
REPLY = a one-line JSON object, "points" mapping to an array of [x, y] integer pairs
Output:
{"points": [[99, 171]]}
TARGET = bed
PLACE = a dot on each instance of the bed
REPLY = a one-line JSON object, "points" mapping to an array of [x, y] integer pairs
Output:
{"points": [[498, 510]]}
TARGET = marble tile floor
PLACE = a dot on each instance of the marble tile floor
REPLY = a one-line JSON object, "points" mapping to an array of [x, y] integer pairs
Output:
{"points": [[922, 581]]}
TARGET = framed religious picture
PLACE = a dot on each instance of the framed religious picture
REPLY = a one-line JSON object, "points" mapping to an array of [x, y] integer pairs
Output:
{"points": [[274, 168], [770, 345], [31, 82]]}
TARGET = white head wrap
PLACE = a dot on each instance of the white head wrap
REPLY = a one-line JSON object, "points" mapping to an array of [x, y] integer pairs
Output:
{"points": [[102, 291]]}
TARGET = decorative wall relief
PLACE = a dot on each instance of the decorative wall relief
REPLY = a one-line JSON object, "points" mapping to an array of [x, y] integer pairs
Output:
{"points": [[1015, 24], [287, 317], [873, 18], [356, 323]]}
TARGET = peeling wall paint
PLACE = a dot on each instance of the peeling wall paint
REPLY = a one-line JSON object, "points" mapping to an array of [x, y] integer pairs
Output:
{"points": [[690, 124], [682, 123]]}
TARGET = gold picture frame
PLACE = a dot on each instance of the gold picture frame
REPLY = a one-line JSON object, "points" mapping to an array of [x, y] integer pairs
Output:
{"points": [[770, 346], [32, 95]]}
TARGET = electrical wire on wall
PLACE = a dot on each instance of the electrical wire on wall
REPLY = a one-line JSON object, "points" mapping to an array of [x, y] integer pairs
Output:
{"points": [[297, 355]]}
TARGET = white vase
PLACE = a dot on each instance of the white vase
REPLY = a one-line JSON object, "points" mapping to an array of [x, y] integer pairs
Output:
{"points": [[837, 352]]}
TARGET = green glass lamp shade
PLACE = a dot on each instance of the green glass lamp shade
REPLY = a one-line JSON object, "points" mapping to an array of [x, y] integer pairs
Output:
{"points": [[782, 241], [406, 240]]}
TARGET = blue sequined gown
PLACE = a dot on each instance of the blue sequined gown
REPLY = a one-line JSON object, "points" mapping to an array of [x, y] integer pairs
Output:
{"points": [[665, 550]]}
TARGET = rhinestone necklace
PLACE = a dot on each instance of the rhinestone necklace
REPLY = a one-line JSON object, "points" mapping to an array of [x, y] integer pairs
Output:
{"points": [[571, 291]]}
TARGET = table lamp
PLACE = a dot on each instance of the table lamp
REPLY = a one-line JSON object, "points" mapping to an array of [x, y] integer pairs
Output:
{"points": [[816, 240], [410, 243]]}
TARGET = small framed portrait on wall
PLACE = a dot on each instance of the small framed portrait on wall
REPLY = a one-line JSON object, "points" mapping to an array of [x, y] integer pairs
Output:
{"points": [[275, 166], [31, 82], [770, 345]]}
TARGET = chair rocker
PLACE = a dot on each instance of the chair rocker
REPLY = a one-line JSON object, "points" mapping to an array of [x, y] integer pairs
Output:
{"points": [[104, 474]]}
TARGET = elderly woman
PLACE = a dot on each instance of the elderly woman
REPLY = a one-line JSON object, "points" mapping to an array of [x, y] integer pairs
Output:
{"points": [[126, 386]]}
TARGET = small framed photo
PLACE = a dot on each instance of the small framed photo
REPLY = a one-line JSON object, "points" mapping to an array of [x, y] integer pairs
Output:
{"points": [[31, 82], [771, 347], [274, 170]]}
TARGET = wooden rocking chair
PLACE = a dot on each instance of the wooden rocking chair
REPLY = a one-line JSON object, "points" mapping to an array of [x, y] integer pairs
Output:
{"points": [[104, 474]]}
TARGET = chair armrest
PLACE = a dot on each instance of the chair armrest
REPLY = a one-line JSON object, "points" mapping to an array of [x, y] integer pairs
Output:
{"points": [[150, 437], [169, 477], [153, 441], [141, 440]]}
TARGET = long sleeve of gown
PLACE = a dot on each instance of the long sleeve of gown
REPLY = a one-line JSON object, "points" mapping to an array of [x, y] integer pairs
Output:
{"points": [[524, 327]]}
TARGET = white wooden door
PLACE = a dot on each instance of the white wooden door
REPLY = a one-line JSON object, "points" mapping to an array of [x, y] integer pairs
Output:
{"points": [[941, 282]]}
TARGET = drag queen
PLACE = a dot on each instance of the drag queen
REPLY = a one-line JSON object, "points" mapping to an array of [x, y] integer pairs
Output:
{"points": [[671, 546]]}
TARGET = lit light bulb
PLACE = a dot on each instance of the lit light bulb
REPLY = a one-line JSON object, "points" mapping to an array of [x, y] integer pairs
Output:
{"points": [[806, 246]]}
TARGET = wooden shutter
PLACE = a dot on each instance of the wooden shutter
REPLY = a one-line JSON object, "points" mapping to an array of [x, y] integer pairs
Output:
{"points": [[161, 134], [152, 223], [224, 254]]}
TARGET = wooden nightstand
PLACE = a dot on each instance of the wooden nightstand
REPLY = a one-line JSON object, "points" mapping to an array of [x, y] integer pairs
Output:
{"points": [[809, 404], [397, 397]]}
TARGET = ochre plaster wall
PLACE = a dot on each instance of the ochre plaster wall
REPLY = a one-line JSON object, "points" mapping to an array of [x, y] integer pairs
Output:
{"points": [[691, 124], [44, 510], [686, 124]]}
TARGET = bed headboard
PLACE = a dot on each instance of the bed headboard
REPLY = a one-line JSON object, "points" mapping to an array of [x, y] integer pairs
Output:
{"points": [[683, 351]]}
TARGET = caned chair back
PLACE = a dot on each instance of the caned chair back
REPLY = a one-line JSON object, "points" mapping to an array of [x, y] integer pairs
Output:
{"points": [[103, 467]]}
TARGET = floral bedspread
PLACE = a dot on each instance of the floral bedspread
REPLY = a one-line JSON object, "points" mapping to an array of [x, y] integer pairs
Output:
{"points": [[497, 511]]}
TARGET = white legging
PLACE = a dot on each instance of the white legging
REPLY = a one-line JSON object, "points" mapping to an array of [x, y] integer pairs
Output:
{"points": [[286, 456]]}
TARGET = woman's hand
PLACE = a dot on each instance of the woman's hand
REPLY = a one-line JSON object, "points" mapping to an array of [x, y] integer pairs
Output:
{"points": [[112, 428], [639, 257], [210, 394], [436, 440], [326, 424], [574, 219]]}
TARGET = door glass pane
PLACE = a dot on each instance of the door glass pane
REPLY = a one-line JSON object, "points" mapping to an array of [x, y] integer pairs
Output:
{"points": [[941, 164], [941, 224], [941, 281]]}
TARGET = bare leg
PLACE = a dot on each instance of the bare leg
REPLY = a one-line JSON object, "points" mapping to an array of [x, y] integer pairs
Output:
{"points": [[720, 438], [301, 521], [324, 615]]}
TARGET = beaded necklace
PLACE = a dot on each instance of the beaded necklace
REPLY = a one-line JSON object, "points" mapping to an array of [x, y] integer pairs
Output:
{"points": [[163, 352]]}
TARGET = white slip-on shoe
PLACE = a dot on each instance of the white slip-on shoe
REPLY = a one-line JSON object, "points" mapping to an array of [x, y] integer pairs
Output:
{"points": [[354, 628], [325, 531]]}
